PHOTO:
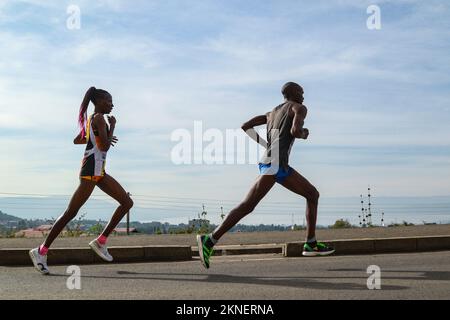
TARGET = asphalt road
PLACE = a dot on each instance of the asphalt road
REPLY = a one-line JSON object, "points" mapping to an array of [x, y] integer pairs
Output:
{"points": [[267, 277]]}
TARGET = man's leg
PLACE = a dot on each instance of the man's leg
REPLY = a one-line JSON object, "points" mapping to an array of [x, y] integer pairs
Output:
{"points": [[298, 184], [256, 194]]}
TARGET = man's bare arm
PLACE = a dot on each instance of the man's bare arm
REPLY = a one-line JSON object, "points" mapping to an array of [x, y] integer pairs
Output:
{"points": [[297, 129], [249, 128]]}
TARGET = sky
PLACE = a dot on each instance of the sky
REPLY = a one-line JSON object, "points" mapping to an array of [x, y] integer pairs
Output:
{"points": [[378, 100]]}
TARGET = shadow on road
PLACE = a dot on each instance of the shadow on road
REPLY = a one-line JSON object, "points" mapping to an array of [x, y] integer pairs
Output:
{"points": [[419, 275], [291, 282]]}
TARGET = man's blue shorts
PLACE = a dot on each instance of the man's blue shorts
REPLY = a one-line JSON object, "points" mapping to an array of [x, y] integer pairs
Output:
{"points": [[280, 176]]}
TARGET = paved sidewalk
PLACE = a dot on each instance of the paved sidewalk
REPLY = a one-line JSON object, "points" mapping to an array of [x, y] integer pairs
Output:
{"points": [[277, 237]]}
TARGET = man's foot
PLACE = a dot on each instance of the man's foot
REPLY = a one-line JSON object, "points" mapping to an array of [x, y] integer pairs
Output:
{"points": [[101, 251], [39, 261], [205, 249], [317, 249]]}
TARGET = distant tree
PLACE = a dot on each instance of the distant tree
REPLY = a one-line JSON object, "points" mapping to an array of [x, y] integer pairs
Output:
{"points": [[74, 228], [403, 224], [10, 234], [341, 224], [96, 229]]}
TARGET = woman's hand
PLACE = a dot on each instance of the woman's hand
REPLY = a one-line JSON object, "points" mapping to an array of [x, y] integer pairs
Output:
{"points": [[112, 121], [114, 140]]}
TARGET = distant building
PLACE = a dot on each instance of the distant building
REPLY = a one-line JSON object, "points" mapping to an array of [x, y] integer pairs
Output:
{"points": [[45, 227], [37, 232], [124, 230], [9, 224]]}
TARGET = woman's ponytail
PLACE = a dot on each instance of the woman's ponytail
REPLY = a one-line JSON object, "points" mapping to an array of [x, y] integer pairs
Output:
{"points": [[82, 116]]}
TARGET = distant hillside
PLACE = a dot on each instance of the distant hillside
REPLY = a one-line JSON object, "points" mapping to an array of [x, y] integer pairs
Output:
{"points": [[7, 217]]}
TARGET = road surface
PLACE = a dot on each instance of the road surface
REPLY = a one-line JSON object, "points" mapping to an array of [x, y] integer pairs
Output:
{"points": [[403, 276]]}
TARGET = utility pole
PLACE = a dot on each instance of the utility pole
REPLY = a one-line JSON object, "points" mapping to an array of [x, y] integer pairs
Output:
{"points": [[222, 215], [370, 212], [362, 212], [293, 227], [128, 218], [204, 212]]}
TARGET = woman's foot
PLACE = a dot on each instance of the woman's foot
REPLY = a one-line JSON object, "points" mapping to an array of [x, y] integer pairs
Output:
{"points": [[39, 261], [101, 250]]}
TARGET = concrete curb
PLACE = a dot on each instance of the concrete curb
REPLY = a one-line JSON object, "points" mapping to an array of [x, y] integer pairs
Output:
{"points": [[20, 257], [375, 246], [67, 256]]}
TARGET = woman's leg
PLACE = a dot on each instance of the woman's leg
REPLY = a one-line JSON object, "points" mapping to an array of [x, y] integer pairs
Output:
{"points": [[112, 188], [79, 198]]}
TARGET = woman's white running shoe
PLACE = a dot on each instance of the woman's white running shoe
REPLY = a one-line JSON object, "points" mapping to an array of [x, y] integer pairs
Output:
{"points": [[101, 251], [39, 261]]}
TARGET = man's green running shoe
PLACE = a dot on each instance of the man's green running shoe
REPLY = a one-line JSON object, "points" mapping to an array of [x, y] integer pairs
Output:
{"points": [[317, 249], [205, 249]]}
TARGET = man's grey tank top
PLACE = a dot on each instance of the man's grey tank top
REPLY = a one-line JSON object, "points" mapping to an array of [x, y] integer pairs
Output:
{"points": [[279, 137]]}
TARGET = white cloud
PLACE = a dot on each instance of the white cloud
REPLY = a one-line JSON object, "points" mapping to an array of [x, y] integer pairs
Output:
{"points": [[221, 76], [13, 121]]}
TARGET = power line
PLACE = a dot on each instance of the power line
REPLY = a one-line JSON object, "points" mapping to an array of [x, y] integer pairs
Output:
{"points": [[150, 197], [177, 204], [29, 206]]}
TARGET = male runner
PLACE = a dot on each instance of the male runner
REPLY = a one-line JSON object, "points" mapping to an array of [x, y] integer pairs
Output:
{"points": [[284, 125]]}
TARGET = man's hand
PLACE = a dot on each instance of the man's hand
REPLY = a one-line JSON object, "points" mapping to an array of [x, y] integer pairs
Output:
{"points": [[249, 128], [305, 133]]}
